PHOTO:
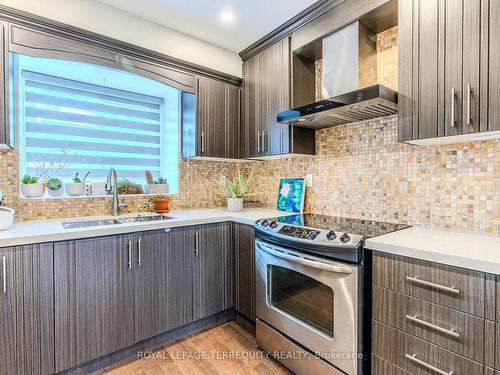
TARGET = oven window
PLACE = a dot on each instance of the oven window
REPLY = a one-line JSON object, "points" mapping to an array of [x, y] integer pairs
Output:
{"points": [[302, 297]]}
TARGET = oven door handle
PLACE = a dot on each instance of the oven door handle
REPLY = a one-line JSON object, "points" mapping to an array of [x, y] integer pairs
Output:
{"points": [[305, 262]]}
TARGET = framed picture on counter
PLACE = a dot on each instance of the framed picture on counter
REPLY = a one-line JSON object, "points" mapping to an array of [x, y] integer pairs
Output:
{"points": [[291, 195]]}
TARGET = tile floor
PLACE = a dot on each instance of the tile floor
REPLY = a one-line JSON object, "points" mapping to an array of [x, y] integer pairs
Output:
{"points": [[227, 349]]}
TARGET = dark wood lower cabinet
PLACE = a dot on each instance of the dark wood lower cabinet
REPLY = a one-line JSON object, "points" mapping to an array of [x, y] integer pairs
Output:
{"points": [[163, 281], [244, 252], [94, 298], [26, 310]]}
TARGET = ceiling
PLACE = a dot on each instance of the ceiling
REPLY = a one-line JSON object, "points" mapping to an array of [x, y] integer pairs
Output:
{"points": [[231, 24]]}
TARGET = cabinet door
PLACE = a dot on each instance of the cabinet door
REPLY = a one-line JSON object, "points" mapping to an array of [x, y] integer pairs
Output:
{"points": [[490, 73], [4, 71], [244, 250], [94, 298], [26, 310], [251, 133], [163, 281], [232, 122], [212, 270]]}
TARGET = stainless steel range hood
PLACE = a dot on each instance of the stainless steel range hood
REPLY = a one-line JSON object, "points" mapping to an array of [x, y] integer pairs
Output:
{"points": [[349, 89]]}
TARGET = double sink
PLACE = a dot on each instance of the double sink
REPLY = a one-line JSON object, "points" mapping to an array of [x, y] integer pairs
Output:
{"points": [[124, 220]]}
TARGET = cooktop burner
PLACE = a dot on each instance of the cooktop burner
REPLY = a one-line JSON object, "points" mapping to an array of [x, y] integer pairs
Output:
{"points": [[331, 236]]}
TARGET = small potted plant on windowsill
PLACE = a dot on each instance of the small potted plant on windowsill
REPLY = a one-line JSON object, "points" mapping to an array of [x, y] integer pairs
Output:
{"points": [[235, 190], [127, 187], [31, 187], [158, 186], [54, 187], [75, 188]]}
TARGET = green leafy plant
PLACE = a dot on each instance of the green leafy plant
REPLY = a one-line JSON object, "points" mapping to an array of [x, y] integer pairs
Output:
{"points": [[125, 186], [29, 180], [54, 184], [77, 179], [237, 187]]}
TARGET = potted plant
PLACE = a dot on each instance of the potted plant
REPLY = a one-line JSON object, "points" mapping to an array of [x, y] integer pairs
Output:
{"points": [[235, 190], [54, 187], [75, 188], [161, 204], [158, 186], [125, 186], [31, 187]]}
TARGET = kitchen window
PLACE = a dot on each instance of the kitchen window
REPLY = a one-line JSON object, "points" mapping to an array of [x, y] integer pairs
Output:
{"points": [[71, 117]]}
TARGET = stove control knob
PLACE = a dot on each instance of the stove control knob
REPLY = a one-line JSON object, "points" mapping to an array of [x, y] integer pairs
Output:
{"points": [[331, 235], [273, 224], [345, 238], [264, 223]]}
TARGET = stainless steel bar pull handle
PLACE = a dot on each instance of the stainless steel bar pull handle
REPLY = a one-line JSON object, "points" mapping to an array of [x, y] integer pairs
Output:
{"points": [[4, 273], [196, 243], [129, 260], [450, 289], [453, 98], [258, 142], [469, 94], [264, 141], [416, 319], [414, 359], [139, 256], [202, 142]]}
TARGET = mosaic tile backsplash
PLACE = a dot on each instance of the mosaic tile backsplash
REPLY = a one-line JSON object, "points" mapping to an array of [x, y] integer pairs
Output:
{"points": [[360, 171]]}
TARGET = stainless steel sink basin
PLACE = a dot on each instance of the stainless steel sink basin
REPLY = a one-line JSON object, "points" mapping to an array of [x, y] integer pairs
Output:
{"points": [[144, 219], [89, 223]]}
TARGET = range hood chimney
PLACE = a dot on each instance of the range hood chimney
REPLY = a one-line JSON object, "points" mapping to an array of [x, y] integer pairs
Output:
{"points": [[349, 90]]}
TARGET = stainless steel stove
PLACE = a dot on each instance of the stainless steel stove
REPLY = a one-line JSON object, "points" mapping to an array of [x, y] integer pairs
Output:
{"points": [[313, 287]]}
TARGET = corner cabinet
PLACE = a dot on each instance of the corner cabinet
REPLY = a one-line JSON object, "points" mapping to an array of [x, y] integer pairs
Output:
{"points": [[266, 91], [448, 68], [215, 132], [26, 310]]}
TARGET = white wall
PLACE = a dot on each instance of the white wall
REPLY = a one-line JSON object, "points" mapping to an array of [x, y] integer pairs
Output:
{"points": [[103, 19]]}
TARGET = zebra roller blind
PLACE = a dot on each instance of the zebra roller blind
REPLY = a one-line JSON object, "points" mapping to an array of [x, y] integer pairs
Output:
{"points": [[89, 128]]}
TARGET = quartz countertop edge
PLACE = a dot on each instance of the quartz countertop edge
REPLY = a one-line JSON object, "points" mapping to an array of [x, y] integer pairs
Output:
{"points": [[51, 230], [461, 249]]}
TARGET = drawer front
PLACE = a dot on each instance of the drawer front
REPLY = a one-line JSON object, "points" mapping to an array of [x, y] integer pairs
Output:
{"points": [[418, 356], [452, 287], [459, 332], [382, 367]]}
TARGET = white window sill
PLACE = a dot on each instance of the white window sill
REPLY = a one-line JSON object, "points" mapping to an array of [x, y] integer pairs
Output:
{"points": [[47, 197]]}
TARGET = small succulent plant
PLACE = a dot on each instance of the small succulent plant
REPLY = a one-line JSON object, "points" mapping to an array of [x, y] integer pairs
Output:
{"points": [[29, 180], [54, 184]]}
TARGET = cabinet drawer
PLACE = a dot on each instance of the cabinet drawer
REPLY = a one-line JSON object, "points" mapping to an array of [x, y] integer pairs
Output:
{"points": [[459, 332], [418, 356], [449, 286], [382, 367]]}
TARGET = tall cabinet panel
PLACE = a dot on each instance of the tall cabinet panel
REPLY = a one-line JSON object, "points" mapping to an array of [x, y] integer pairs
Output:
{"points": [[26, 310], [94, 298], [163, 280], [490, 108]]}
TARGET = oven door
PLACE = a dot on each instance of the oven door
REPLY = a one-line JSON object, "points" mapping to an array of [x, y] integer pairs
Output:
{"points": [[312, 301]]}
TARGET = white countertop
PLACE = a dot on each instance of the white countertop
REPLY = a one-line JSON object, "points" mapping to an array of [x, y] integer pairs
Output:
{"points": [[468, 250], [37, 231]]}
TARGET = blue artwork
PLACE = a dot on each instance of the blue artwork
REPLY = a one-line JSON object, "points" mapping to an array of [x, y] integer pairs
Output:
{"points": [[291, 194]]}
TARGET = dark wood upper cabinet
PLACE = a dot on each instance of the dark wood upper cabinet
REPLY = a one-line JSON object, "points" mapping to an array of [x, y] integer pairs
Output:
{"points": [[4, 75], [217, 128], [162, 280], [94, 298], [26, 310], [440, 63], [266, 91]]}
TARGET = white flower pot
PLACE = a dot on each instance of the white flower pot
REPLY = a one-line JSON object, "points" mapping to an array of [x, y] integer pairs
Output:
{"points": [[55, 193], [6, 217], [32, 190], [235, 204], [74, 189], [98, 188], [157, 188]]}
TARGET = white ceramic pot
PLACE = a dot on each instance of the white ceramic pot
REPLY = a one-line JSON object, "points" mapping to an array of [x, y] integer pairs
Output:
{"points": [[74, 189], [55, 193], [32, 190], [6, 217], [235, 204], [157, 188]]}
